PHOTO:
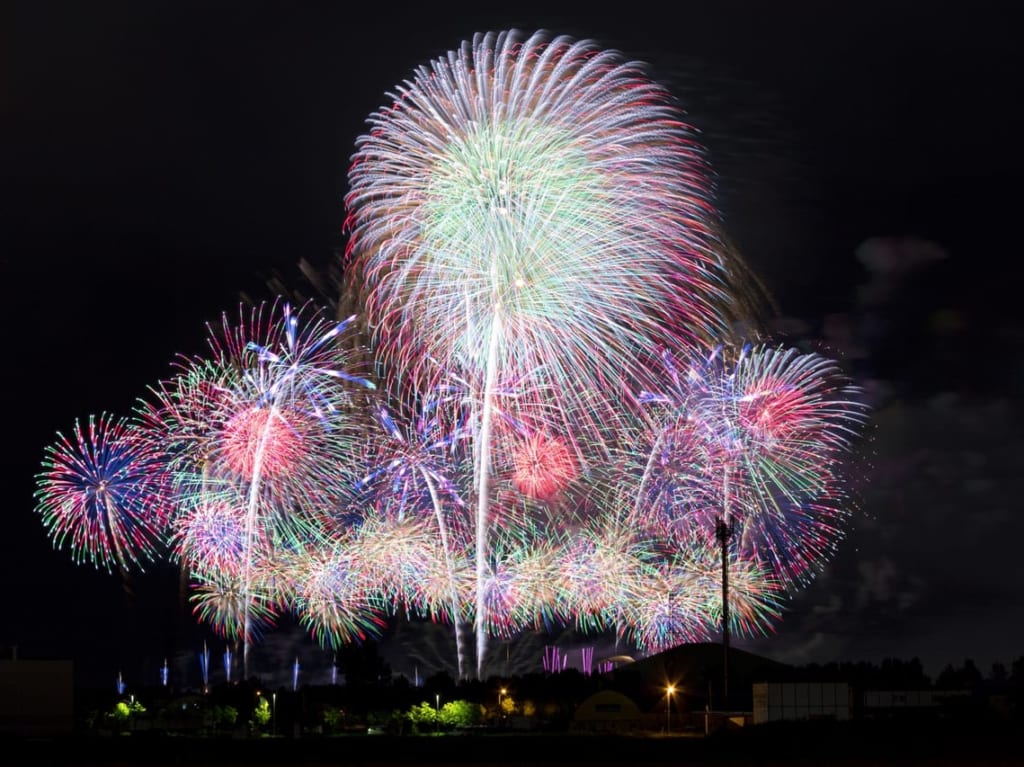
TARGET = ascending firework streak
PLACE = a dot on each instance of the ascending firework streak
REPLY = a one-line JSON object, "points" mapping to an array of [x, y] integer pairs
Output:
{"points": [[204, 667], [533, 209]]}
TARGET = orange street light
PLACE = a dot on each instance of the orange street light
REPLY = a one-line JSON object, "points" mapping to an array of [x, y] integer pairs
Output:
{"points": [[669, 692]]}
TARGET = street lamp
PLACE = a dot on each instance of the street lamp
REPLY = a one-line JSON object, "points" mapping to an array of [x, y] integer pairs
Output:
{"points": [[437, 713], [707, 711], [273, 713], [669, 691], [501, 693]]}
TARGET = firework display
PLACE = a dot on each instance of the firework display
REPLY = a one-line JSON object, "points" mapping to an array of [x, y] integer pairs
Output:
{"points": [[528, 219], [534, 209]]}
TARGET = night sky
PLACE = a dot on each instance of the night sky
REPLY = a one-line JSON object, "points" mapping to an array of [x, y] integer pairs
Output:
{"points": [[160, 159]]}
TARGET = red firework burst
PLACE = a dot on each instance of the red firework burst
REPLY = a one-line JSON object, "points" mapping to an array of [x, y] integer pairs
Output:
{"points": [[544, 465], [269, 436]]}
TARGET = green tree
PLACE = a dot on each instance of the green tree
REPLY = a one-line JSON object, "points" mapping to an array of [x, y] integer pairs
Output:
{"points": [[423, 717], [455, 713], [224, 716], [461, 713], [261, 713], [333, 719], [122, 713]]}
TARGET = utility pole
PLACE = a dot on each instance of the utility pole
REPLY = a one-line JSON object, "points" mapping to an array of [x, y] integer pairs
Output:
{"points": [[723, 532]]}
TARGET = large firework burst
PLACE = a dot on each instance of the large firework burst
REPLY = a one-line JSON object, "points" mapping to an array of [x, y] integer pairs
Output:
{"points": [[534, 208], [541, 202]]}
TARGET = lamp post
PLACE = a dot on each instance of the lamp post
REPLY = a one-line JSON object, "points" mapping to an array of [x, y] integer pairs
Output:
{"points": [[707, 711], [501, 693], [723, 532], [668, 707], [273, 713], [437, 713]]}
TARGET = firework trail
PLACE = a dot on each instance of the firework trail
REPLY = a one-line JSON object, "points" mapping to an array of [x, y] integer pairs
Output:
{"points": [[267, 441], [102, 493], [535, 208]]}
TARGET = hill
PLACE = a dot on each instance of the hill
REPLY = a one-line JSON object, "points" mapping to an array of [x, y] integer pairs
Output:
{"points": [[697, 672]]}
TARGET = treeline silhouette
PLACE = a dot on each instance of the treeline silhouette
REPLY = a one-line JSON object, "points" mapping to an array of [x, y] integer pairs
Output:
{"points": [[898, 674]]}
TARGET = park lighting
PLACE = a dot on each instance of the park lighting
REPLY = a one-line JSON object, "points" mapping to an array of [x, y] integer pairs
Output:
{"points": [[501, 693], [273, 713], [669, 692], [437, 712]]}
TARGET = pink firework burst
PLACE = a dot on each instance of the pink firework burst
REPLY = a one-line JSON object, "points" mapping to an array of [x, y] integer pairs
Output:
{"points": [[273, 440], [544, 467], [762, 441], [211, 537], [267, 427]]}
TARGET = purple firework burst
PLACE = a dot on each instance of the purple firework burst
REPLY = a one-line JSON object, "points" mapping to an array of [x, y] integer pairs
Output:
{"points": [[101, 493]]}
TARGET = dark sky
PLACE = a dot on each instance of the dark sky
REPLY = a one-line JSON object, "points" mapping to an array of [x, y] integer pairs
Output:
{"points": [[160, 158]]}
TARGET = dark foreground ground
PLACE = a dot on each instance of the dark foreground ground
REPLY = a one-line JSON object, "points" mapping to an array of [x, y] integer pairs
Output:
{"points": [[850, 745]]}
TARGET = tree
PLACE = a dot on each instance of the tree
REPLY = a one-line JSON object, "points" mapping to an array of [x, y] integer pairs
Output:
{"points": [[334, 719], [507, 707], [999, 675], [967, 677], [898, 674], [454, 713], [224, 716], [261, 713], [1017, 687], [362, 664], [122, 713], [461, 713], [423, 717]]}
